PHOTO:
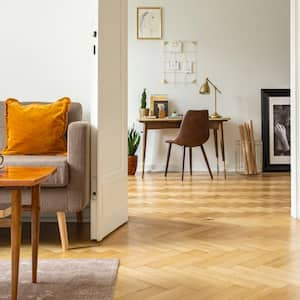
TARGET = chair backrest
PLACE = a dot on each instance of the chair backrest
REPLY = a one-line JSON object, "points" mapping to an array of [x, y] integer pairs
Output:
{"points": [[74, 114], [194, 129]]}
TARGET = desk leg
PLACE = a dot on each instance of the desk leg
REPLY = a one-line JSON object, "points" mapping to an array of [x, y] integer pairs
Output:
{"points": [[217, 148], [15, 241], [223, 148], [191, 161], [144, 148], [35, 230]]}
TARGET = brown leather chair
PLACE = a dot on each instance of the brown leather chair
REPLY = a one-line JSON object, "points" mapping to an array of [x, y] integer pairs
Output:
{"points": [[194, 132]]}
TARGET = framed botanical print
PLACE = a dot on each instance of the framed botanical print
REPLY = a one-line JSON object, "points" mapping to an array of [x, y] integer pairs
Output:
{"points": [[149, 23], [276, 129]]}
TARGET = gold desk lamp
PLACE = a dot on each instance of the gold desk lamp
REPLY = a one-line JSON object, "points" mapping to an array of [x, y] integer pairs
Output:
{"points": [[205, 90]]}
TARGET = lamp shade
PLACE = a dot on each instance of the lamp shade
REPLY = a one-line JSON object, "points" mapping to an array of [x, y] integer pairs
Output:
{"points": [[205, 89]]}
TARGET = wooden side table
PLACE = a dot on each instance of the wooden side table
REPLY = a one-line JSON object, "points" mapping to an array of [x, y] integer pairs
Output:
{"points": [[16, 179]]}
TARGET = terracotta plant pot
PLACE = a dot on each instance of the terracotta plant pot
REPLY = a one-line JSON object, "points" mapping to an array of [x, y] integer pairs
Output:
{"points": [[144, 112], [132, 164]]}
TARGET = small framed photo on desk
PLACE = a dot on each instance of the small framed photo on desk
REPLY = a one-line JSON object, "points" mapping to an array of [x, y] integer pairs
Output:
{"points": [[158, 99], [161, 108]]}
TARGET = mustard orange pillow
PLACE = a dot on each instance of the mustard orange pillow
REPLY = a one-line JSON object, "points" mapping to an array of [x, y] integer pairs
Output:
{"points": [[36, 128]]}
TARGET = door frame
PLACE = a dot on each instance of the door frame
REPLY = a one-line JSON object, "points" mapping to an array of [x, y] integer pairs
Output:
{"points": [[295, 109]]}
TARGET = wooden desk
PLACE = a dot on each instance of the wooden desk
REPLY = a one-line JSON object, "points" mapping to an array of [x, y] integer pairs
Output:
{"points": [[16, 179], [215, 124]]}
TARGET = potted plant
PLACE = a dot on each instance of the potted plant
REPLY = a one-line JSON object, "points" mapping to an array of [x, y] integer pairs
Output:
{"points": [[134, 139], [144, 112]]}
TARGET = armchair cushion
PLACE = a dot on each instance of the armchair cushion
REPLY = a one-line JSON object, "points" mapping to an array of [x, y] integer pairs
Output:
{"points": [[74, 115], [36, 128], [58, 179]]}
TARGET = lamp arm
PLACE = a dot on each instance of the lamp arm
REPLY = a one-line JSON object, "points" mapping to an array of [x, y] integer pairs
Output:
{"points": [[214, 85]]}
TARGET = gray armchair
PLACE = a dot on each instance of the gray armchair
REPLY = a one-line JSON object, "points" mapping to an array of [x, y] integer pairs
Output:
{"points": [[68, 190]]}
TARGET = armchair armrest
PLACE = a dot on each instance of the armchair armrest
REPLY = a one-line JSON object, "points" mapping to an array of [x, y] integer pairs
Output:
{"points": [[79, 165]]}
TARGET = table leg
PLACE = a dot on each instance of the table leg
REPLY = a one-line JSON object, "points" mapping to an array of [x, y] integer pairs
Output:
{"points": [[35, 230], [223, 148], [217, 148], [16, 212], [144, 148], [191, 161]]}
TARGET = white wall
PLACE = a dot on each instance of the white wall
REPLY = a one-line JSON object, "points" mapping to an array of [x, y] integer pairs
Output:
{"points": [[243, 45], [46, 50]]}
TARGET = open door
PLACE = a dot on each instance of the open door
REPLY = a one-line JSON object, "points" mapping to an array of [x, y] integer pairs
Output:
{"points": [[110, 204]]}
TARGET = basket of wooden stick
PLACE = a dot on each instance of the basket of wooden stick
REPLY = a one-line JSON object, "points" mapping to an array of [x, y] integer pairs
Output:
{"points": [[248, 152]]}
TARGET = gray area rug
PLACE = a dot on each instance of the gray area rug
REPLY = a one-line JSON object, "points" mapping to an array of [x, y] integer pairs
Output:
{"points": [[84, 279]]}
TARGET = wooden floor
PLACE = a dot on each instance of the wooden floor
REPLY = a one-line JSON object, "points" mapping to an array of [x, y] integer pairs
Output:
{"points": [[199, 239]]}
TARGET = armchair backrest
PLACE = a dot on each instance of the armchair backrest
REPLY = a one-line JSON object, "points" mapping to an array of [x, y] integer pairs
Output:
{"points": [[74, 114]]}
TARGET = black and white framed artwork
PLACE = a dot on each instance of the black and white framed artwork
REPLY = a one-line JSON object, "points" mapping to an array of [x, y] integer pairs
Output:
{"points": [[276, 129]]}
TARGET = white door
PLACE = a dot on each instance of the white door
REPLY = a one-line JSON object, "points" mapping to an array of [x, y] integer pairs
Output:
{"points": [[110, 205]]}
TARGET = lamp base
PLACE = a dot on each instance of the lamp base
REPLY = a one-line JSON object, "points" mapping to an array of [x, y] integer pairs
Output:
{"points": [[215, 116]]}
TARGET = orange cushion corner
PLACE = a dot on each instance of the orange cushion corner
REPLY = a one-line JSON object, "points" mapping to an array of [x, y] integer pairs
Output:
{"points": [[36, 129]]}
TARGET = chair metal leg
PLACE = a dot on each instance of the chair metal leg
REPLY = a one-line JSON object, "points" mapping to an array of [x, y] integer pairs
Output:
{"points": [[191, 161], [183, 160], [168, 159], [207, 163]]}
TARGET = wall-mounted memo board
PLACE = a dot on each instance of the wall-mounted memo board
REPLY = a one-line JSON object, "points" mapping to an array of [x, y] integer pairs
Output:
{"points": [[179, 62]]}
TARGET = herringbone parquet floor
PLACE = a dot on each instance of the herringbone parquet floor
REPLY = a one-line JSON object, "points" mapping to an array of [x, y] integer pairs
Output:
{"points": [[197, 240]]}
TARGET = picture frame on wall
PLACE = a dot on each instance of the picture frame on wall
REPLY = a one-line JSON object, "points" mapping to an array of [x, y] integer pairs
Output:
{"points": [[276, 131], [149, 23]]}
